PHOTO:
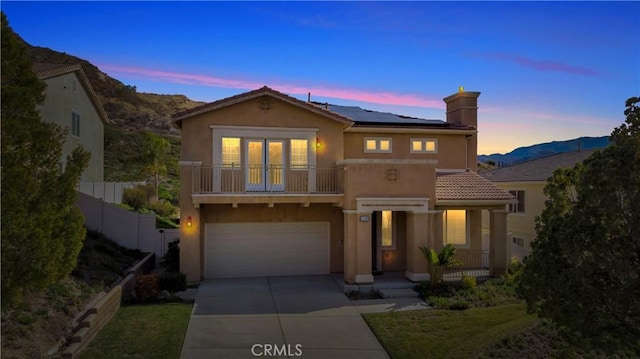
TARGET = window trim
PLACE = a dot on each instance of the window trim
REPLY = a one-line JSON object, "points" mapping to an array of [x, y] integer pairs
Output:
{"points": [[378, 141], [423, 142]]}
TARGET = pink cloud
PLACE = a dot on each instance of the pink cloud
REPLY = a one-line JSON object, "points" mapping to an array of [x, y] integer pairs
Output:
{"points": [[543, 65], [385, 98]]}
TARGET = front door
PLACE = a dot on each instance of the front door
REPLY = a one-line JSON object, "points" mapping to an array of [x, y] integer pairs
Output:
{"points": [[265, 165]]}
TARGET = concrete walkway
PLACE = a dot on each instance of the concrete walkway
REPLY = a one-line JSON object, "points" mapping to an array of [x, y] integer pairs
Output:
{"points": [[282, 317]]}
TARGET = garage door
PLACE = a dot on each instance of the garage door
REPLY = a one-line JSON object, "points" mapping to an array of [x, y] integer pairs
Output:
{"points": [[266, 249]]}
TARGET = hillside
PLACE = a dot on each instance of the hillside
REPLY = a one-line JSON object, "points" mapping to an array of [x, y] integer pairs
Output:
{"points": [[522, 154], [127, 109]]}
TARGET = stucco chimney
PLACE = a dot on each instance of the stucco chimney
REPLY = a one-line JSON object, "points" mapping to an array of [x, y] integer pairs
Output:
{"points": [[462, 108]]}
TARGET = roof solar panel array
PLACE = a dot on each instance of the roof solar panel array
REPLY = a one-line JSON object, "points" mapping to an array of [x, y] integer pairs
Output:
{"points": [[361, 115]]}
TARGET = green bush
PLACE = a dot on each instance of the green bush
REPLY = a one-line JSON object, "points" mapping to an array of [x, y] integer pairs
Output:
{"points": [[455, 303], [147, 288], [171, 260], [468, 282], [459, 304], [135, 198], [514, 272], [163, 208], [173, 281]]}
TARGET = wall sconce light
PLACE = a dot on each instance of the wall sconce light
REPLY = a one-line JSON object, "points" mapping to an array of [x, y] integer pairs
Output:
{"points": [[317, 143], [189, 222]]}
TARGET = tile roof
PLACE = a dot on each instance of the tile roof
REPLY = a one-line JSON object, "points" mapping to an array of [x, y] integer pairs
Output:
{"points": [[180, 116], [48, 70], [536, 170], [465, 185]]}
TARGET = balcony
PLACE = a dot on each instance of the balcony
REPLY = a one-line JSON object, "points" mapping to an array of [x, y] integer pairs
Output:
{"points": [[267, 184]]}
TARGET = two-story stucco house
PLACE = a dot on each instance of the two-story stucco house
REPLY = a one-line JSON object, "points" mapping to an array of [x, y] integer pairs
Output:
{"points": [[526, 182], [272, 185], [71, 103]]}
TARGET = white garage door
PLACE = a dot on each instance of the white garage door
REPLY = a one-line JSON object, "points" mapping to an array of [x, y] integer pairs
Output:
{"points": [[266, 249]]}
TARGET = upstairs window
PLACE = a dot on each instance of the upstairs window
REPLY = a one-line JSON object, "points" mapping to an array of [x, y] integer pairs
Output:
{"points": [[75, 124], [299, 154], [381, 145], [424, 145], [517, 207], [231, 152]]}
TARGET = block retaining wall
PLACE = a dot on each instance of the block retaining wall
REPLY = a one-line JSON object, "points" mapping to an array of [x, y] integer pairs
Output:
{"points": [[102, 308]]}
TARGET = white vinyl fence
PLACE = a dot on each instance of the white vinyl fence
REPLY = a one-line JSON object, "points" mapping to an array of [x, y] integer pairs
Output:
{"points": [[129, 229], [110, 192]]}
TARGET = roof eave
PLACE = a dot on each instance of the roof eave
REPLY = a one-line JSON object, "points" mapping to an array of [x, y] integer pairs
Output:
{"points": [[84, 80], [474, 202]]}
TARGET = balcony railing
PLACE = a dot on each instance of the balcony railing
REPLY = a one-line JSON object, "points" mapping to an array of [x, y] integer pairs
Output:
{"points": [[266, 179], [473, 263]]}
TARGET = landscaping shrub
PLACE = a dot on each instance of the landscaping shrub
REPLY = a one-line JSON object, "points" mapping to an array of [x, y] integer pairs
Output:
{"points": [[147, 288], [468, 282], [173, 282], [455, 303], [514, 272], [163, 208], [171, 260], [135, 198]]}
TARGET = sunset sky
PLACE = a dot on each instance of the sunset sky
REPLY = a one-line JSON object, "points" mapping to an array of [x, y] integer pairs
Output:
{"points": [[547, 70]]}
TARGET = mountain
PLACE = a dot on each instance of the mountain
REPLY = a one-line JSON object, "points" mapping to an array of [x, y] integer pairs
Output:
{"points": [[522, 154], [127, 109]]}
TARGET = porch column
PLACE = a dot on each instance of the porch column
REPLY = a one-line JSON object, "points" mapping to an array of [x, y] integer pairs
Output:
{"points": [[350, 245], [363, 268], [417, 236], [499, 244], [357, 247], [190, 236], [437, 230]]}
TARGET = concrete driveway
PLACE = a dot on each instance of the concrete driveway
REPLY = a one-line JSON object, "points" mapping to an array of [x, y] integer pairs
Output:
{"points": [[280, 317]]}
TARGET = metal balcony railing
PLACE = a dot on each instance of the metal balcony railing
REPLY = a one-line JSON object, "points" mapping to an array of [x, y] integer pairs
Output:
{"points": [[266, 179]]}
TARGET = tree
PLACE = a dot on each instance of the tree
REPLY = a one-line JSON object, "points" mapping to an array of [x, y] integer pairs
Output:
{"points": [[42, 231], [437, 262], [584, 268], [156, 150]]}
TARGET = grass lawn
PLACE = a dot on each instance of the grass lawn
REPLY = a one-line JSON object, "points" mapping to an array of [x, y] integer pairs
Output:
{"points": [[142, 331], [447, 333]]}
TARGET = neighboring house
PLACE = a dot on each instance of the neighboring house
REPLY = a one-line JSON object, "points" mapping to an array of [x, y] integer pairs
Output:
{"points": [[71, 103], [272, 185], [526, 181]]}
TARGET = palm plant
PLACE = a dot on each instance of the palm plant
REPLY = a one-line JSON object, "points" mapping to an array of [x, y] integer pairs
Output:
{"points": [[437, 262]]}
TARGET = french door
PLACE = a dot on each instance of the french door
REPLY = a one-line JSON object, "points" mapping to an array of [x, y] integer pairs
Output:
{"points": [[265, 165]]}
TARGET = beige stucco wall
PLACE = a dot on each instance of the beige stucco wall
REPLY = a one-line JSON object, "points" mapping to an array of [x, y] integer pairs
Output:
{"points": [[197, 129], [451, 148], [60, 101], [522, 224]]}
